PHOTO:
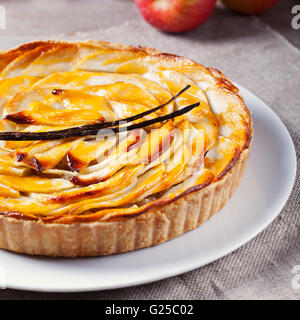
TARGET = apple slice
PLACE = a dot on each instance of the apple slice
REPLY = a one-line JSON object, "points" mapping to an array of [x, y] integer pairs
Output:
{"points": [[16, 67], [35, 184], [6, 191]]}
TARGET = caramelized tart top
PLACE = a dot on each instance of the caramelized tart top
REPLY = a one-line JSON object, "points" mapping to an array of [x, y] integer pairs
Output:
{"points": [[51, 86]]}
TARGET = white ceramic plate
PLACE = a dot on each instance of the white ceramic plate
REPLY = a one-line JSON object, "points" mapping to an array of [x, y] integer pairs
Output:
{"points": [[265, 188]]}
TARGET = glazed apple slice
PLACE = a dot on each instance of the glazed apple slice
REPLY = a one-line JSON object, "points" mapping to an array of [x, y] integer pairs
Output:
{"points": [[7, 191], [222, 157], [121, 91], [42, 156], [135, 189], [92, 79], [52, 157], [35, 184], [8, 88], [106, 60], [27, 205], [133, 150], [11, 167], [25, 156], [43, 106], [40, 114], [55, 60], [7, 169], [61, 58], [164, 62], [233, 126], [115, 160], [202, 178], [88, 151], [9, 56], [16, 67], [92, 83], [119, 181], [40, 106]]}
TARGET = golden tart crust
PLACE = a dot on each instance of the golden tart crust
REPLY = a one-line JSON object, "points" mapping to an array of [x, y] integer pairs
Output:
{"points": [[122, 228]]}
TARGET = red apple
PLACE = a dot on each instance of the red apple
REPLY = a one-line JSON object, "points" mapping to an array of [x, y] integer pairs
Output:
{"points": [[249, 6], [176, 15]]}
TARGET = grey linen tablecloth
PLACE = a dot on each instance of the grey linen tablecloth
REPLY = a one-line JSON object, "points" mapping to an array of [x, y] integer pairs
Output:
{"points": [[261, 53]]}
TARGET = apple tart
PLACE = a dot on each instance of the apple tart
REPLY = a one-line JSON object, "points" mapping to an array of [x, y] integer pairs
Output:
{"points": [[106, 148]]}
